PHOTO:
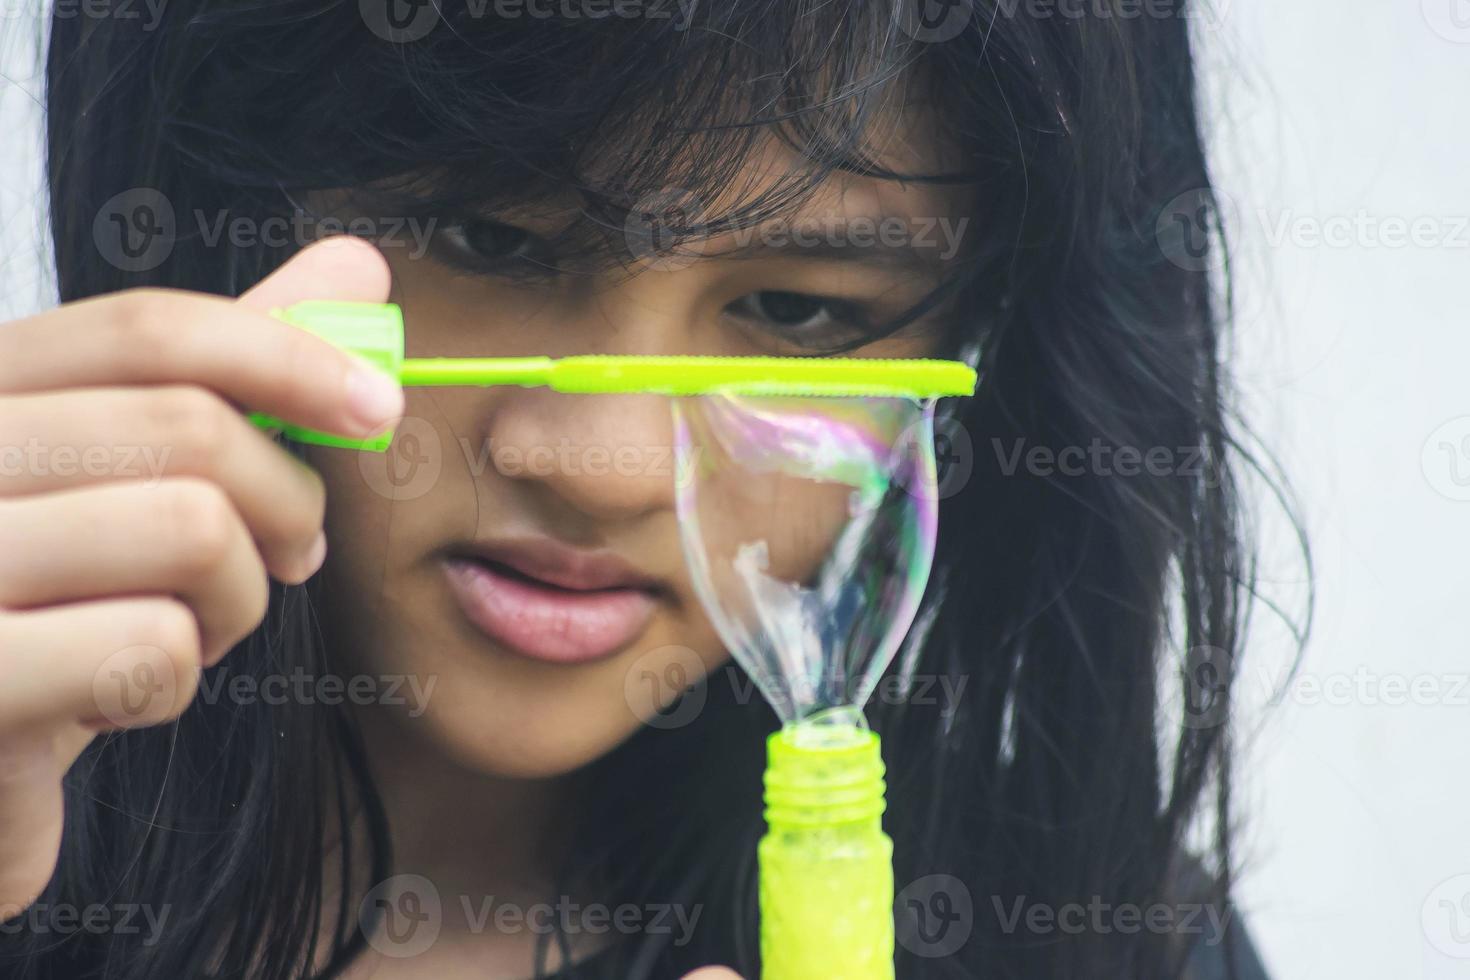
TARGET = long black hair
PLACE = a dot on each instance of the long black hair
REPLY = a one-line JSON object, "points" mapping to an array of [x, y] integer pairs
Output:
{"points": [[1070, 606]]}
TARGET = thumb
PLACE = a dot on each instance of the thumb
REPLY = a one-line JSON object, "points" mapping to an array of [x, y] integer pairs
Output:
{"points": [[343, 267], [713, 973]]}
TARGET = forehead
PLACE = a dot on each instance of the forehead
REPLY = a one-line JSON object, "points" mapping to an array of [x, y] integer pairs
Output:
{"points": [[905, 144], [869, 157]]}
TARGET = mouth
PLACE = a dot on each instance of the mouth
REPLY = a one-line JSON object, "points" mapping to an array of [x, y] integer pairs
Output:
{"points": [[550, 602]]}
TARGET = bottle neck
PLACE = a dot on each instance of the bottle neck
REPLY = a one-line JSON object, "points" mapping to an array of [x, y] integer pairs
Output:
{"points": [[824, 776]]}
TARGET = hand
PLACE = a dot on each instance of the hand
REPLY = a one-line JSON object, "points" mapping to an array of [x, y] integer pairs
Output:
{"points": [[143, 550], [712, 973]]}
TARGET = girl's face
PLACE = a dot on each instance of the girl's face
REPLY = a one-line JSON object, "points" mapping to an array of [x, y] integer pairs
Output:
{"points": [[517, 550]]}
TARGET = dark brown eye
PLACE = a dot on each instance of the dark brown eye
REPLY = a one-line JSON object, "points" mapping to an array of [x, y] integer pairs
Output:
{"points": [[494, 247], [787, 309], [491, 239], [811, 321]]}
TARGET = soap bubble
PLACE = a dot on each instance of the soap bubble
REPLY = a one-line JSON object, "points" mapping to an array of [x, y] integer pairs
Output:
{"points": [[808, 526]]}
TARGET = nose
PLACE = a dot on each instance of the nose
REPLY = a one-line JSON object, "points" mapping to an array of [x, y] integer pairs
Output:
{"points": [[611, 457]]}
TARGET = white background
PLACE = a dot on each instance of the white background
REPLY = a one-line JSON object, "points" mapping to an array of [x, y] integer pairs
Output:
{"points": [[1335, 127]]}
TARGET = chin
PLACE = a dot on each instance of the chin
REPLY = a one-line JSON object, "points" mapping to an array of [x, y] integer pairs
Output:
{"points": [[520, 749], [506, 716]]}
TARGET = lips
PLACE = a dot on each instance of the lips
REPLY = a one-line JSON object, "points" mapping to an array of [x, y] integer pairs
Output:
{"points": [[550, 602]]}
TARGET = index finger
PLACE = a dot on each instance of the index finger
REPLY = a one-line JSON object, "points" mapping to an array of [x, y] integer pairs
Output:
{"points": [[164, 336]]}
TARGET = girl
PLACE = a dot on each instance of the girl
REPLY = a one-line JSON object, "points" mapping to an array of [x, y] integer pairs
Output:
{"points": [[421, 743]]}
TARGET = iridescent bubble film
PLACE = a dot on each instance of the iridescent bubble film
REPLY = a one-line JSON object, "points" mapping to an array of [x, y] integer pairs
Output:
{"points": [[808, 525]]}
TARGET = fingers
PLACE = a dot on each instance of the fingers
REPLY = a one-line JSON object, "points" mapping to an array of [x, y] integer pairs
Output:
{"points": [[31, 815], [179, 430], [343, 267], [179, 537], [70, 671], [109, 663], [154, 336], [121, 577]]}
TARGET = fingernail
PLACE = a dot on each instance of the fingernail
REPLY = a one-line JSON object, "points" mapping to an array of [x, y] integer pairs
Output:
{"points": [[317, 554], [374, 398]]}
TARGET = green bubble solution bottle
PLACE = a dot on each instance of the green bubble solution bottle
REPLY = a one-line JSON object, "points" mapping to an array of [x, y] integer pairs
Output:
{"points": [[808, 528], [826, 866]]}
